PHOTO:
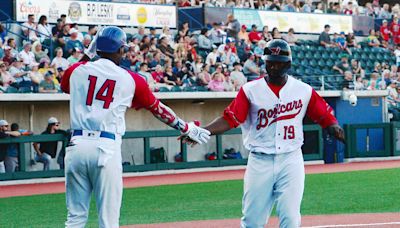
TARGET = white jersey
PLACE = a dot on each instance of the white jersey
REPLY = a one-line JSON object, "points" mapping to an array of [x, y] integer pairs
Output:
{"points": [[100, 93], [275, 125]]}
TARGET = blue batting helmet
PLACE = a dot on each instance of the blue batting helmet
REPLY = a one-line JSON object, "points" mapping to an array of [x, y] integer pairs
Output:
{"points": [[278, 50], [110, 39]]}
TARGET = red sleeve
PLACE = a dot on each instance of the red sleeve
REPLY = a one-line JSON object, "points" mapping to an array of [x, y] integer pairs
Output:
{"points": [[236, 112], [319, 111], [143, 97], [67, 75]]}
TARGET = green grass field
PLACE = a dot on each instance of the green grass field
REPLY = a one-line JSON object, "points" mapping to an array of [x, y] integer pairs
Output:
{"points": [[351, 192]]}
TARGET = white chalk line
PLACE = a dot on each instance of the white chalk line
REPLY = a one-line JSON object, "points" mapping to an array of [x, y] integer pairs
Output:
{"points": [[354, 225]]}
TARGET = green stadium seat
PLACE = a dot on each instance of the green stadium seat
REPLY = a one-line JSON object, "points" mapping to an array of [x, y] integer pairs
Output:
{"points": [[356, 56], [372, 56], [176, 89], [375, 50], [313, 63], [309, 72], [333, 56], [300, 55], [325, 56], [317, 55], [322, 63], [370, 64], [304, 62], [364, 56], [330, 63], [201, 88], [379, 57], [163, 89], [308, 55], [189, 89], [11, 89]]}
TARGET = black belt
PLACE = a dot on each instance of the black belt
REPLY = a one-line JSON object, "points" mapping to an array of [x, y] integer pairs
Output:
{"points": [[103, 134]]}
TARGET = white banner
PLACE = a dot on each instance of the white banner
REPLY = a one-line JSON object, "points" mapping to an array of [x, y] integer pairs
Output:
{"points": [[99, 13], [300, 22]]}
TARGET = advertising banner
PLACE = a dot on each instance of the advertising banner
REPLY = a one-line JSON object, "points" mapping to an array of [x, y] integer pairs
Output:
{"points": [[300, 22], [99, 13]]}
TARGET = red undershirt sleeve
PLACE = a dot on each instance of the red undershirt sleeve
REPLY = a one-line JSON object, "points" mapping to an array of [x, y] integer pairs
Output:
{"points": [[236, 113]]}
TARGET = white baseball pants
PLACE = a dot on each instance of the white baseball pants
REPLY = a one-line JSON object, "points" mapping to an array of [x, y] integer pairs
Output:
{"points": [[93, 164], [269, 178]]}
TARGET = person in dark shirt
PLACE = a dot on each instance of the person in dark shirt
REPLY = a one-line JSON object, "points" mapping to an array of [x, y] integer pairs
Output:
{"points": [[58, 28], [324, 38], [5, 133], [48, 150], [343, 65], [348, 82]]}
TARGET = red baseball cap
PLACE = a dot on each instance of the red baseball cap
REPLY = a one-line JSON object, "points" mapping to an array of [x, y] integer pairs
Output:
{"points": [[244, 27]]}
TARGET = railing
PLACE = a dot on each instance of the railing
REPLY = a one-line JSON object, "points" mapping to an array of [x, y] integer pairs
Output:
{"points": [[315, 152], [8, 22]]}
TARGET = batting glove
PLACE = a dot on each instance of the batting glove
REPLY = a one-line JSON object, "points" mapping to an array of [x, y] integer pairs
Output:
{"points": [[196, 133], [91, 50]]}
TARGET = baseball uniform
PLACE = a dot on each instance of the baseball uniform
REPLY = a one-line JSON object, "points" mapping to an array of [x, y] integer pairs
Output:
{"points": [[271, 118]]}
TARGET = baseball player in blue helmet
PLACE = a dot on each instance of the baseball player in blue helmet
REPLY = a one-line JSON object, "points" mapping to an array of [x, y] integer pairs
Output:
{"points": [[100, 93], [270, 111]]}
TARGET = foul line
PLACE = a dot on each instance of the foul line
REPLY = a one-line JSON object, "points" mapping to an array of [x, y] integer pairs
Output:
{"points": [[355, 225]]}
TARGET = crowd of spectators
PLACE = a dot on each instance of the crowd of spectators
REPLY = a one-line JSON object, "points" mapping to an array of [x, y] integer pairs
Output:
{"points": [[348, 7]]}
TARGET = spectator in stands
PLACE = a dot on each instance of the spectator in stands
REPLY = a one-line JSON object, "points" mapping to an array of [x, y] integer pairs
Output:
{"points": [[153, 33], [265, 34], [377, 68], [276, 34], [372, 39], [44, 29], [26, 55], [237, 77], [58, 28], [38, 52], [232, 26], [397, 54], [342, 43], [73, 42], [170, 78], [307, 7], [63, 18], [393, 100], [259, 49], [6, 78], [254, 35], [35, 76], [320, 8], [290, 37], [334, 8], [324, 39], [289, 6], [13, 45], [217, 34], [351, 41], [228, 55], [22, 79], [140, 34], [204, 43], [217, 80], [384, 13], [8, 57], [30, 27], [369, 10], [275, 6], [358, 84], [75, 56], [48, 150], [158, 74], [144, 72], [385, 33], [80, 34], [386, 78], [3, 33], [165, 48], [198, 65], [373, 82], [184, 3], [166, 33], [348, 83], [212, 57], [59, 60], [63, 36], [243, 34], [48, 85], [250, 67], [356, 68], [5, 133], [44, 66], [395, 30], [343, 65], [348, 10], [204, 76]]}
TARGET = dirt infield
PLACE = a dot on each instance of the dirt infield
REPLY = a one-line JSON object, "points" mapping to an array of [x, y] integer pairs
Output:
{"points": [[183, 178], [314, 221]]}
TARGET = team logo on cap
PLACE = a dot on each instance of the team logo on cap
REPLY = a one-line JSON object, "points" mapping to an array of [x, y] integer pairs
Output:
{"points": [[275, 50]]}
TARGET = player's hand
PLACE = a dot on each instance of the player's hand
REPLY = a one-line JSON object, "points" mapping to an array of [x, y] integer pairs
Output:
{"points": [[337, 132], [91, 50], [195, 134]]}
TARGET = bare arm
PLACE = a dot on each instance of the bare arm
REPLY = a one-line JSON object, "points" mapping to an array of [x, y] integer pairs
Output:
{"points": [[218, 126], [36, 147], [13, 133]]}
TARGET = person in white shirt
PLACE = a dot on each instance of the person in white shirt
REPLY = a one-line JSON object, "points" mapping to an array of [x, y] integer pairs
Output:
{"points": [[144, 72], [211, 59], [44, 29], [30, 27], [59, 61], [237, 77], [397, 54], [26, 55], [320, 8]]}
